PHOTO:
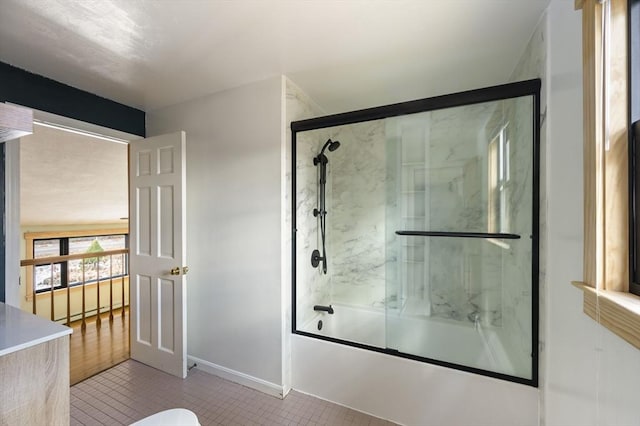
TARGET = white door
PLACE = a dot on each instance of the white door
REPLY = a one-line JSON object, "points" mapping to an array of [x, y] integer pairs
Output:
{"points": [[157, 226]]}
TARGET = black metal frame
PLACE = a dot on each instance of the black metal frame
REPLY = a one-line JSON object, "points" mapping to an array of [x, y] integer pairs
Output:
{"points": [[633, 64], [494, 93]]}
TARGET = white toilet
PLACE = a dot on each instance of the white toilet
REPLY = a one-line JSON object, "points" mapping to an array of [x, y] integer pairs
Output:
{"points": [[173, 417]]}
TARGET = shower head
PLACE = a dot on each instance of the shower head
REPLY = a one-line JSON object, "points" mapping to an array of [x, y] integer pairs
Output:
{"points": [[332, 145], [321, 158]]}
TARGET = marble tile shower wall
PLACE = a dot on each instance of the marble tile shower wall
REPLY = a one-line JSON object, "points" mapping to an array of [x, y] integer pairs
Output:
{"points": [[356, 218], [312, 287], [463, 278]]}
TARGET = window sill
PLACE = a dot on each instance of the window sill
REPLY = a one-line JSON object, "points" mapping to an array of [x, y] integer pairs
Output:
{"points": [[619, 312]]}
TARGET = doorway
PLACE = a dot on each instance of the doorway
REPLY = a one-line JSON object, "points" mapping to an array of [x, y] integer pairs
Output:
{"points": [[74, 207], [168, 153]]}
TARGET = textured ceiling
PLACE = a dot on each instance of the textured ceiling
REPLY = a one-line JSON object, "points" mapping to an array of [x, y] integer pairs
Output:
{"points": [[67, 178], [345, 54]]}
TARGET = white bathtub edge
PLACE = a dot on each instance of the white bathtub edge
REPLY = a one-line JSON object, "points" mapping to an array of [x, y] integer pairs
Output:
{"points": [[238, 377], [405, 391]]}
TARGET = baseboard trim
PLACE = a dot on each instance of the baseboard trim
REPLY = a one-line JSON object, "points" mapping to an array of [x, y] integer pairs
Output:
{"points": [[238, 377]]}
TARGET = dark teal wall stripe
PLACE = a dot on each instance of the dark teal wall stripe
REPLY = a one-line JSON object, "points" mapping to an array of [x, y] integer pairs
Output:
{"points": [[35, 91]]}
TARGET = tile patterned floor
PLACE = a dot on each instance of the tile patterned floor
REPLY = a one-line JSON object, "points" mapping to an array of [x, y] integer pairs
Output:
{"points": [[131, 391]]}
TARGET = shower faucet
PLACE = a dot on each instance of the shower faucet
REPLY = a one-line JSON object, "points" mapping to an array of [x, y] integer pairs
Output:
{"points": [[316, 258], [322, 308]]}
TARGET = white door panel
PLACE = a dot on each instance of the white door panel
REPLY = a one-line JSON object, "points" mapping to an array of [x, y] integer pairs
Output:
{"points": [[157, 252]]}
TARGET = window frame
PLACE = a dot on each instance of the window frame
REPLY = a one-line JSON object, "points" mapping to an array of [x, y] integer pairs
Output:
{"points": [[606, 146], [63, 268], [608, 205]]}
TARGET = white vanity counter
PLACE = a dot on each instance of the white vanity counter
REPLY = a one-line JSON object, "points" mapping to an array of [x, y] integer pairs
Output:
{"points": [[21, 330]]}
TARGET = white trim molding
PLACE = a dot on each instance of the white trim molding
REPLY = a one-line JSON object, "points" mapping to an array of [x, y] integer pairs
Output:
{"points": [[237, 377]]}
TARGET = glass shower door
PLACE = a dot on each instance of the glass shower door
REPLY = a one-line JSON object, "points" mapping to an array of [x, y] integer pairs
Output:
{"points": [[415, 230], [459, 235]]}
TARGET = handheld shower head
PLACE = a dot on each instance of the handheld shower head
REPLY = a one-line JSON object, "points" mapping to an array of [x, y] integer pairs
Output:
{"points": [[321, 158], [332, 145]]}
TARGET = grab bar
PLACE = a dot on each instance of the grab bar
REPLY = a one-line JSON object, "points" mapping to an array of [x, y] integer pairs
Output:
{"points": [[459, 234]]}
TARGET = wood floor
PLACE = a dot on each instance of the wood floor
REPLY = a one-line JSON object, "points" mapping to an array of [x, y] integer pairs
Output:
{"points": [[98, 348]]}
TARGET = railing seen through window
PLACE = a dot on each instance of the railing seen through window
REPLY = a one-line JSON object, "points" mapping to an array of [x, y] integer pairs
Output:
{"points": [[69, 273]]}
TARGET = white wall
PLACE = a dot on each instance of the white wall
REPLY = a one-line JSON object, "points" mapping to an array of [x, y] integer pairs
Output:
{"points": [[592, 376], [233, 228]]}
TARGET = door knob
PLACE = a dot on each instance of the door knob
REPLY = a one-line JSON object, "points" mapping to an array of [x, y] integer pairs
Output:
{"points": [[175, 271], [185, 269]]}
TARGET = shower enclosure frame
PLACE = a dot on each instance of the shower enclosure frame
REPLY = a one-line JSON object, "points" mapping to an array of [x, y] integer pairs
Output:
{"points": [[476, 96]]}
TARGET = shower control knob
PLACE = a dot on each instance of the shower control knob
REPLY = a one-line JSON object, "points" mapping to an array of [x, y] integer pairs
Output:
{"points": [[316, 258]]}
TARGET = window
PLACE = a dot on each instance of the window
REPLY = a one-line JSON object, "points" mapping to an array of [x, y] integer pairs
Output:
{"points": [[68, 273], [44, 274], [498, 211], [609, 156], [606, 145]]}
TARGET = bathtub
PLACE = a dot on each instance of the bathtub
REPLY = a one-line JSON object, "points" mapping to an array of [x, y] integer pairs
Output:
{"points": [[404, 390], [462, 344]]}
